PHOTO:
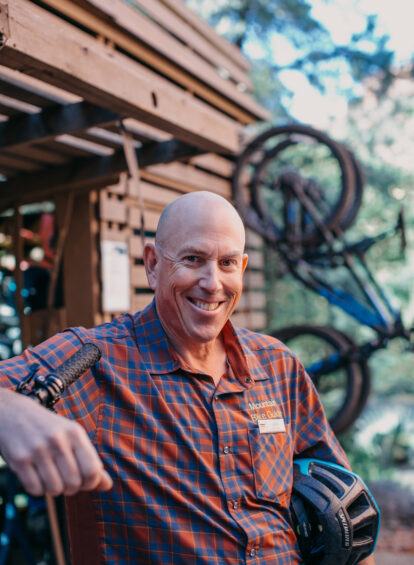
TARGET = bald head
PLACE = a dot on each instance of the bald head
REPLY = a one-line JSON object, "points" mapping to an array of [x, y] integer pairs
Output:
{"points": [[199, 208], [196, 269]]}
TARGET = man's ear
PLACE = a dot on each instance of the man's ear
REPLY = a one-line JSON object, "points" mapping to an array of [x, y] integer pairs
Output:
{"points": [[245, 259], [151, 263]]}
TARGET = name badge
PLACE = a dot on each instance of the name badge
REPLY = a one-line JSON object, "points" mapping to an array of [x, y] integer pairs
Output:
{"points": [[271, 426]]}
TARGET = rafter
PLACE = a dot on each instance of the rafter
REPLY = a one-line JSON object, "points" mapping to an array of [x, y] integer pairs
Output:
{"points": [[86, 174], [57, 120]]}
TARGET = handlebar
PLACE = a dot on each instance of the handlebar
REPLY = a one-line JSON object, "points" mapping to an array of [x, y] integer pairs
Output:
{"points": [[47, 389]]}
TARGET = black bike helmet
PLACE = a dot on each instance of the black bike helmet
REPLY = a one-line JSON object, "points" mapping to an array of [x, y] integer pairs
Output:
{"points": [[335, 516]]}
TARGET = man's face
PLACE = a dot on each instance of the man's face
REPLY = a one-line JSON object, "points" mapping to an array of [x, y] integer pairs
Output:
{"points": [[198, 278]]}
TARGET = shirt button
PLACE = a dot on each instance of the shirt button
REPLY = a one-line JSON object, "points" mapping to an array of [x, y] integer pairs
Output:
{"points": [[252, 552], [226, 449], [235, 504], [247, 379]]}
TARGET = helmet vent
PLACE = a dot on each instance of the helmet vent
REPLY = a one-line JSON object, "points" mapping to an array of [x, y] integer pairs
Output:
{"points": [[329, 482], [342, 475], [358, 506]]}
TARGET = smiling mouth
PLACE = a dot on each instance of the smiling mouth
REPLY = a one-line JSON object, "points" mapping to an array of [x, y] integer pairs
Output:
{"points": [[207, 306]]}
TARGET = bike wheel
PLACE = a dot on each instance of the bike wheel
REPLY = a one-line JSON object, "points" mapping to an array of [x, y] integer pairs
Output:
{"points": [[338, 378], [365, 385], [355, 204], [269, 159]]}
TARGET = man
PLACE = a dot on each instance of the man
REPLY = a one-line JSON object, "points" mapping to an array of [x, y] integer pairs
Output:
{"points": [[185, 430]]}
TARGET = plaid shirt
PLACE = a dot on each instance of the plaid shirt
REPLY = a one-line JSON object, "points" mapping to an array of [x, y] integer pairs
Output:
{"points": [[202, 474]]}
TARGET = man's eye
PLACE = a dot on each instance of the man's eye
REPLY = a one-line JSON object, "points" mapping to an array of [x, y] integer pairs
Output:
{"points": [[229, 262], [191, 258]]}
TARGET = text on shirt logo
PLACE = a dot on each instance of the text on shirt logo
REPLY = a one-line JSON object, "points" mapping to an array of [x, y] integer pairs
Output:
{"points": [[264, 410]]}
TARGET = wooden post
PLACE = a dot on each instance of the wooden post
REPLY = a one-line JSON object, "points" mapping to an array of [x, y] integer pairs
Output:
{"points": [[18, 274], [80, 257]]}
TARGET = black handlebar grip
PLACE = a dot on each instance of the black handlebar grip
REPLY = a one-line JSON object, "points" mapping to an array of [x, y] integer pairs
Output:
{"points": [[79, 363]]}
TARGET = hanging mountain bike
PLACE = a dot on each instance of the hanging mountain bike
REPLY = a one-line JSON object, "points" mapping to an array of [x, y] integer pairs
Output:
{"points": [[300, 191]]}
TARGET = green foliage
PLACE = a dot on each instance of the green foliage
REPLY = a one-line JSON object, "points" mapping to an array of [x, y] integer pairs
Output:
{"points": [[313, 52], [246, 20], [367, 463], [381, 444], [268, 90]]}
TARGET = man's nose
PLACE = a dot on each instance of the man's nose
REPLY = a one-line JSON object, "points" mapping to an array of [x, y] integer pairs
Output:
{"points": [[210, 277]]}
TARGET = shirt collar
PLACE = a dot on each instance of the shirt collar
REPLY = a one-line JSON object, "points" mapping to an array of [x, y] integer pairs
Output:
{"points": [[243, 359], [160, 357], [155, 349]]}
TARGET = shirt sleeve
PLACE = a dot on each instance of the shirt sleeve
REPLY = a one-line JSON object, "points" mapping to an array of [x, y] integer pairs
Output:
{"points": [[81, 400], [313, 436]]}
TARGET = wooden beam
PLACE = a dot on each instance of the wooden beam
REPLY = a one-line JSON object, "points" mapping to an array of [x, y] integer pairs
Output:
{"points": [[214, 164], [57, 120], [69, 58], [39, 155], [19, 163], [144, 132], [171, 21], [155, 197], [86, 174], [144, 38], [17, 92], [204, 29], [185, 178], [50, 95]]}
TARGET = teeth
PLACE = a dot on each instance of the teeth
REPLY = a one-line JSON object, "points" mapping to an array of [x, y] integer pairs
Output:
{"points": [[206, 305]]}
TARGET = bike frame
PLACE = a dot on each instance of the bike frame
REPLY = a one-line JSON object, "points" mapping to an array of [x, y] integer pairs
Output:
{"points": [[379, 314]]}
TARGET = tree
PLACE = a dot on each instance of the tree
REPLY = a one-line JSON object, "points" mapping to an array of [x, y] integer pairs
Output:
{"points": [[313, 52]]}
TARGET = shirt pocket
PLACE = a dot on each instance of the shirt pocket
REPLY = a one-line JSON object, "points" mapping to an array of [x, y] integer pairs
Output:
{"points": [[272, 465]]}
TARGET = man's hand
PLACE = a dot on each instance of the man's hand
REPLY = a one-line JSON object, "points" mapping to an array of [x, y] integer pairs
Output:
{"points": [[50, 454]]}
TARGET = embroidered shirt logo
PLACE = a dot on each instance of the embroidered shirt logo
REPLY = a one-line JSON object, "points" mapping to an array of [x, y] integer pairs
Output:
{"points": [[264, 410]]}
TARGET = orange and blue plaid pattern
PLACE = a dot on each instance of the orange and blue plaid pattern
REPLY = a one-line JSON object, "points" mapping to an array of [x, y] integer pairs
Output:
{"points": [[195, 479]]}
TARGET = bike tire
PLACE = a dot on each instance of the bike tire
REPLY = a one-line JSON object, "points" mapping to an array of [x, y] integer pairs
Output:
{"points": [[366, 385], [355, 204], [248, 196], [340, 390]]}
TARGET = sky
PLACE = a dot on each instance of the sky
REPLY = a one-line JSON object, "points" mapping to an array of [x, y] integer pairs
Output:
{"points": [[395, 18], [342, 18]]}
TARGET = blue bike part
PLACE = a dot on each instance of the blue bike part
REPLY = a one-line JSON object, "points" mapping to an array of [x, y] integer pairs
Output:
{"points": [[335, 516]]}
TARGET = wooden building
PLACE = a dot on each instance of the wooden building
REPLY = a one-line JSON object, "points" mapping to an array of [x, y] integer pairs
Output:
{"points": [[110, 110]]}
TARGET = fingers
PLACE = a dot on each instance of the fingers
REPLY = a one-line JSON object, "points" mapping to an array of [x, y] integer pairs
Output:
{"points": [[90, 466], [49, 453], [65, 463], [76, 464], [106, 482], [68, 469], [50, 477], [30, 479]]}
